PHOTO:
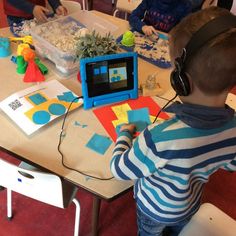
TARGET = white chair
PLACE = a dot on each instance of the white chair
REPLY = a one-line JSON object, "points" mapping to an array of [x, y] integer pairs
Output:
{"points": [[42, 186], [72, 6], [210, 221], [126, 6]]}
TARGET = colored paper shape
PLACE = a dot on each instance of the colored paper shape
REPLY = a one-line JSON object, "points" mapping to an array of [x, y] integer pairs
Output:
{"points": [[121, 111], [76, 123], [106, 115], [119, 122], [99, 143], [41, 117], [33, 74], [67, 97], [37, 98], [140, 118], [57, 109]]}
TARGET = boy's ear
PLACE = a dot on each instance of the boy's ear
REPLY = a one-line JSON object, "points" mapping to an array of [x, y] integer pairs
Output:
{"points": [[191, 83]]}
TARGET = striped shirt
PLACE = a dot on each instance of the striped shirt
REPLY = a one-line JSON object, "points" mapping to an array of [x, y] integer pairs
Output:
{"points": [[170, 163]]}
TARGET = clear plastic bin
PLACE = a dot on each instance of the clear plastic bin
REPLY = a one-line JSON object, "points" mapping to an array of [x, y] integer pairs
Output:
{"points": [[65, 60]]}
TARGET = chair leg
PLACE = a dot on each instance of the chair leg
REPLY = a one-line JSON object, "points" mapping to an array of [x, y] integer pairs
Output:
{"points": [[115, 12], [85, 3], [126, 15], [9, 204], [95, 215], [77, 217]]}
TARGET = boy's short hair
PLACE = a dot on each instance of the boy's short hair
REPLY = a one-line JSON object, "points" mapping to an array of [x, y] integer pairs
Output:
{"points": [[213, 67]]}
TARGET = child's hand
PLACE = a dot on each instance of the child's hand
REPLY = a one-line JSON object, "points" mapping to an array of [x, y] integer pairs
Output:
{"points": [[130, 127], [148, 30], [61, 11], [40, 12]]}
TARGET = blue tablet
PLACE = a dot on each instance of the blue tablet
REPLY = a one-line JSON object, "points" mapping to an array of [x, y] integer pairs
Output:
{"points": [[108, 79]]}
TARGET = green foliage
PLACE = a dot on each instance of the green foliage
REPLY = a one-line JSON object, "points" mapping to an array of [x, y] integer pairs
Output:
{"points": [[94, 44]]}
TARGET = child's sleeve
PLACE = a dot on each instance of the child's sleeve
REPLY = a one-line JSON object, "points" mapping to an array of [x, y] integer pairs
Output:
{"points": [[22, 5], [230, 166], [137, 15], [132, 161], [54, 4]]}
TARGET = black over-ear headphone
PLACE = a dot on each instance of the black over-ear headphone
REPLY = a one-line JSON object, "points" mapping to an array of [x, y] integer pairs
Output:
{"points": [[178, 78]]}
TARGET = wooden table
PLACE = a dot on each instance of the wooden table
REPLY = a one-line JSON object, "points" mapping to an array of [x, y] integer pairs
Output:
{"points": [[40, 149]]}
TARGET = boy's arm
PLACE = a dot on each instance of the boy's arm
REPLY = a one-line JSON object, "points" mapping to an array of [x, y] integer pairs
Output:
{"points": [[135, 19], [23, 5], [132, 161]]}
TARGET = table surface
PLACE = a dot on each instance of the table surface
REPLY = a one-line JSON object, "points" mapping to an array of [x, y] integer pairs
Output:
{"points": [[41, 148]]}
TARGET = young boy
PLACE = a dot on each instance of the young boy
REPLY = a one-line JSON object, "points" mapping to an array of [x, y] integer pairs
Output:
{"points": [[170, 162], [163, 15], [19, 10]]}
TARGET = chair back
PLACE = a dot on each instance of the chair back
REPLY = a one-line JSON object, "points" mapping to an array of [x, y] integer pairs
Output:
{"points": [[71, 6], [42, 186], [210, 221]]}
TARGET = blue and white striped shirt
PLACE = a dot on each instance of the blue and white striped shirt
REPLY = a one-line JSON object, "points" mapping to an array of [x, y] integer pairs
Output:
{"points": [[170, 163]]}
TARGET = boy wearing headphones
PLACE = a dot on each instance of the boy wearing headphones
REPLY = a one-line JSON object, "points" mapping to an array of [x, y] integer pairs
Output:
{"points": [[171, 161]]}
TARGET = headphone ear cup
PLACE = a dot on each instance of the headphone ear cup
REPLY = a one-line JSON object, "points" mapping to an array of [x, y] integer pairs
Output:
{"points": [[179, 80]]}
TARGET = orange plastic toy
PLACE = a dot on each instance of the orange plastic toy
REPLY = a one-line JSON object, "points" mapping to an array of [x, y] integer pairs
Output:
{"points": [[28, 54]]}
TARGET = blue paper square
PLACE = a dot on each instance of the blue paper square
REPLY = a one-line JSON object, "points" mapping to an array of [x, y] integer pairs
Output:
{"points": [[37, 99], [103, 69], [140, 118], [96, 71], [99, 143]]}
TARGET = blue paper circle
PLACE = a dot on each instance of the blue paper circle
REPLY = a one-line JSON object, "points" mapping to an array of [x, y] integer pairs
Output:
{"points": [[57, 109], [41, 117]]}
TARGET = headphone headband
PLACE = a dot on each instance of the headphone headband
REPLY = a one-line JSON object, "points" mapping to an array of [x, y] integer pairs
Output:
{"points": [[209, 31], [178, 78]]}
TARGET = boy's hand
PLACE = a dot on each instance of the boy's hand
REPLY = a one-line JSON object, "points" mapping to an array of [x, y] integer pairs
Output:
{"points": [[148, 30], [40, 12], [130, 127], [61, 11]]}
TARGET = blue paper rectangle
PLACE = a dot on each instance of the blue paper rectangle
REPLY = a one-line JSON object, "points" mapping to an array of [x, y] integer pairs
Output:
{"points": [[140, 118], [99, 143]]}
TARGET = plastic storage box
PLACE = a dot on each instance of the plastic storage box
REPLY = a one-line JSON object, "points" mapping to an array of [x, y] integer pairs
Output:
{"points": [[65, 59]]}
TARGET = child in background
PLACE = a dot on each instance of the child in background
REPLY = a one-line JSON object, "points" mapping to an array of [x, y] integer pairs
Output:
{"points": [[227, 4], [163, 15], [196, 4], [20, 10], [171, 161]]}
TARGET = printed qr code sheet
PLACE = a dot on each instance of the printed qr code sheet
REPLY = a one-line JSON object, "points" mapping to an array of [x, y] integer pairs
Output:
{"points": [[15, 104], [36, 106]]}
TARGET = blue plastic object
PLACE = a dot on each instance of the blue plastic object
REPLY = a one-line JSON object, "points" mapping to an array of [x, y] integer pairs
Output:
{"points": [[5, 47], [97, 78]]}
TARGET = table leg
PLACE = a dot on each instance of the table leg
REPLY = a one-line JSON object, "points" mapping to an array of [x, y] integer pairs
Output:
{"points": [[95, 215]]}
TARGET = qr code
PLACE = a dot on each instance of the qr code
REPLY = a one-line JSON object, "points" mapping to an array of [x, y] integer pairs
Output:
{"points": [[15, 104]]}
